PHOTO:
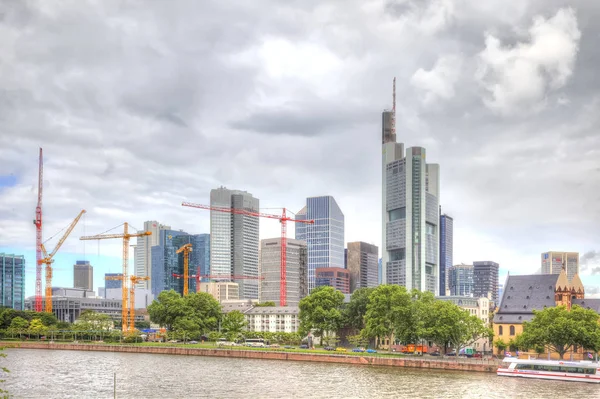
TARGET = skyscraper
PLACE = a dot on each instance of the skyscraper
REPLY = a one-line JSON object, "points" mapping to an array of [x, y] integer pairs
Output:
{"points": [[485, 280], [199, 258], [295, 272], [446, 245], [83, 275], [165, 262], [460, 280], [112, 284], [234, 239], [410, 213], [363, 265], [142, 253], [553, 262], [12, 281], [324, 238]]}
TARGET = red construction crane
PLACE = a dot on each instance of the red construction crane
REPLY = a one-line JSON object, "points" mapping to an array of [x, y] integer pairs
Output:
{"points": [[283, 219], [38, 238]]}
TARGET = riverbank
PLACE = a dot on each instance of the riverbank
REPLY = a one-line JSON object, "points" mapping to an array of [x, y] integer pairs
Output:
{"points": [[365, 360]]}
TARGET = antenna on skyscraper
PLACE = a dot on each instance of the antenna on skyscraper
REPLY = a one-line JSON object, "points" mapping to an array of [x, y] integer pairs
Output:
{"points": [[394, 110]]}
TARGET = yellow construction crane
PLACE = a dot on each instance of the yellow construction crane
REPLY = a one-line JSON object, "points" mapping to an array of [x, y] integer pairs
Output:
{"points": [[47, 259], [126, 236], [134, 281], [186, 249]]}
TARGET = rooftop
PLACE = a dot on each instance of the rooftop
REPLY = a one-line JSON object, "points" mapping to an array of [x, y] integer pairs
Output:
{"points": [[523, 294]]}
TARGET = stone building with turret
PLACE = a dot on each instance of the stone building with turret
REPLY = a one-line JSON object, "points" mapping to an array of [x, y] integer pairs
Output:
{"points": [[524, 294]]}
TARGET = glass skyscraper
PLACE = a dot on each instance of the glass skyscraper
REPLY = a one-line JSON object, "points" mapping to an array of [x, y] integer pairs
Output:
{"points": [[165, 262], [12, 281], [324, 238], [446, 244]]}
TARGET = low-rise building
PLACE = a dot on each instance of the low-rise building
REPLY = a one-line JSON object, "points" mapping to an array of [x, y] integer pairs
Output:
{"points": [[273, 319], [143, 296], [70, 308], [221, 290]]}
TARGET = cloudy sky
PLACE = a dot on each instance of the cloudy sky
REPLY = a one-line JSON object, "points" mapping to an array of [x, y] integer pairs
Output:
{"points": [[140, 105]]}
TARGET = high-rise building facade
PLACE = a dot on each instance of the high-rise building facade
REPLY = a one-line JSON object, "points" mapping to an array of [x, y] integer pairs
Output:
{"points": [[446, 251], [12, 281], [165, 262], [324, 238], [295, 271], [460, 280], [83, 275], [142, 253], [336, 277], [234, 239], [485, 280], [554, 261], [111, 282], [363, 265], [410, 214], [222, 290]]}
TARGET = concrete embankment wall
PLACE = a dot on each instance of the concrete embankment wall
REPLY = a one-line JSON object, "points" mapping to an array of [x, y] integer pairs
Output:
{"points": [[269, 355]]}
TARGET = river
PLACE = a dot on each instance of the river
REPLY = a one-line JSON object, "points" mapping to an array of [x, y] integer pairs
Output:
{"points": [[36, 373]]}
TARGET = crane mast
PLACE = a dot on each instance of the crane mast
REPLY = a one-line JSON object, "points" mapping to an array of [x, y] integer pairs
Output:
{"points": [[38, 237], [48, 259], [186, 249], [126, 236]]}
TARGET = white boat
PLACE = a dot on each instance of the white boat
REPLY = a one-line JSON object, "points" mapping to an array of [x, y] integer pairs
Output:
{"points": [[550, 369]]}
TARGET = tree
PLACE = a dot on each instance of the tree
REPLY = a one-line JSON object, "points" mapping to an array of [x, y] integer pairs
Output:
{"points": [[204, 310], [234, 322], [356, 310], [358, 340], [387, 310], [501, 345], [560, 329], [18, 325], [320, 311], [265, 304], [36, 327], [165, 309], [186, 327], [412, 326]]}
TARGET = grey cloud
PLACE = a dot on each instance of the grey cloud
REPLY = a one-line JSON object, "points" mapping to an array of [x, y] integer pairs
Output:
{"points": [[139, 106]]}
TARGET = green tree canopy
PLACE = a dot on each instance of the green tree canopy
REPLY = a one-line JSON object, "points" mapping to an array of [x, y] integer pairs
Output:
{"points": [[321, 311], [194, 313], [388, 310], [234, 322], [355, 311], [266, 304], [36, 327], [560, 329], [18, 325]]}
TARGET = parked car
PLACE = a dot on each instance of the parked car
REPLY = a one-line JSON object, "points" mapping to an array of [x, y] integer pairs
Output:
{"points": [[434, 354], [340, 349], [193, 342], [329, 348], [303, 346], [273, 346], [358, 350], [289, 347], [371, 351], [453, 353], [477, 355]]}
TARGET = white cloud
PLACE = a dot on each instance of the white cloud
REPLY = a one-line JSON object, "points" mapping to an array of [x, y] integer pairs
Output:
{"points": [[516, 79], [438, 83]]}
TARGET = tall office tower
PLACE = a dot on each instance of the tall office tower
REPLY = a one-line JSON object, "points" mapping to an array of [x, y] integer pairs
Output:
{"points": [[325, 238], [446, 245], [363, 265], [410, 213], [485, 280], [12, 281], [234, 239], [165, 262], [460, 280], [553, 262], [295, 271], [83, 275], [142, 253]]}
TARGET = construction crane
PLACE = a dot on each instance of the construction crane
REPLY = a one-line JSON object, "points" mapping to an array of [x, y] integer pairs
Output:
{"points": [[126, 236], [134, 281], [186, 249], [283, 219], [48, 259], [38, 238]]}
